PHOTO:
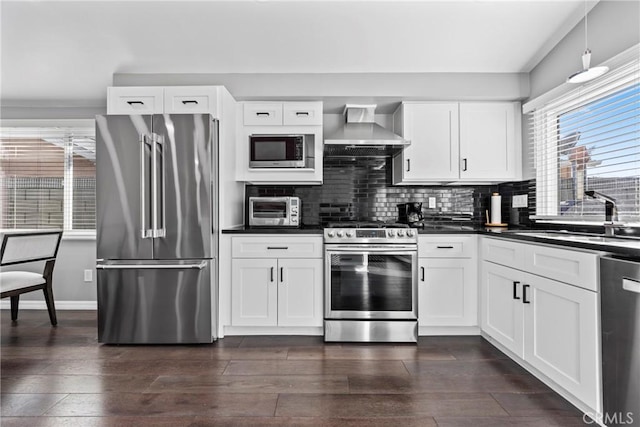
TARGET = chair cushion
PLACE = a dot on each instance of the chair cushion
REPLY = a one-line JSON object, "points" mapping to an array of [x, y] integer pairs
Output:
{"points": [[12, 280]]}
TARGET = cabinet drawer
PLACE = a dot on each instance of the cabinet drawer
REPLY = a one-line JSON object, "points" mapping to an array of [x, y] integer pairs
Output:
{"points": [[504, 252], [302, 113], [276, 247], [190, 100], [134, 100], [263, 114], [446, 246], [569, 266]]}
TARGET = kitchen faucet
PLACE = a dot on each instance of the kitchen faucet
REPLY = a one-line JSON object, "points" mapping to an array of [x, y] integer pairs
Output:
{"points": [[610, 210]]}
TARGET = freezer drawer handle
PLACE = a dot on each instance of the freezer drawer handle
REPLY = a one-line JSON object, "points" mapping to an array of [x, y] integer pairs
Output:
{"points": [[198, 266], [631, 285]]}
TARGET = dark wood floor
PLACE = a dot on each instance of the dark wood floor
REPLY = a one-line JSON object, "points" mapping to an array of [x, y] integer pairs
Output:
{"points": [[62, 377]]}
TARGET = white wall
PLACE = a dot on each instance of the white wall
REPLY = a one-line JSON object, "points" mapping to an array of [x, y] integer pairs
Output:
{"points": [[614, 26]]}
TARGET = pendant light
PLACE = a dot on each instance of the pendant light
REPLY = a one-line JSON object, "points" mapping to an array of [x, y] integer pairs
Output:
{"points": [[586, 73]]}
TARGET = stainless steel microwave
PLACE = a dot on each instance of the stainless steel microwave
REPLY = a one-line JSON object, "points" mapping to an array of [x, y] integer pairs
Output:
{"points": [[276, 151], [274, 211]]}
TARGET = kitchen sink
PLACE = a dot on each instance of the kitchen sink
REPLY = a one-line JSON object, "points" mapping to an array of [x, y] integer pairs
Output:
{"points": [[626, 242]]}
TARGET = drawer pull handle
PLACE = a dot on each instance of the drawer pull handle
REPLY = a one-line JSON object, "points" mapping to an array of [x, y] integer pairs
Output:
{"points": [[408, 165], [135, 102], [281, 274], [272, 274], [464, 164], [444, 247], [515, 290], [422, 274], [524, 294], [302, 113], [284, 248], [263, 113], [190, 101]]}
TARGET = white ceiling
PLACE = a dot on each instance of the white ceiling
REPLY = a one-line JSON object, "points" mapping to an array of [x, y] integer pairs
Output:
{"points": [[54, 50]]}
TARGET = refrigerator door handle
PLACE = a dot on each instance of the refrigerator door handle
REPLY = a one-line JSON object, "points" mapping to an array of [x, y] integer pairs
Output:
{"points": [[157, 209], [145, 232], [161, 230], [199, 265]]}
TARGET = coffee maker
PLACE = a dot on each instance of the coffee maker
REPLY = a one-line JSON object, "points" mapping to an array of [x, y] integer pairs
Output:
{"points": [[410, 213]]}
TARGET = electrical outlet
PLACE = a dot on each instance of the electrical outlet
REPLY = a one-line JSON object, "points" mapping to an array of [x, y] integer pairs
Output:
{"points": [[88, 275], [519, 201], [432, 202]]}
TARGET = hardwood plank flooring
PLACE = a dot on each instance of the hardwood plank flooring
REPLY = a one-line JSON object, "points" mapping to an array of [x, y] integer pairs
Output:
{"points": [[61, 376]]}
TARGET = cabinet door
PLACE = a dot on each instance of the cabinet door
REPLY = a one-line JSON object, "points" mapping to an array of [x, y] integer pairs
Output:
{"points": [[300, 292], [489, 146], [502, 305], [433, 153], [254, 292], [561, 335], [191, 99], [135, 100], [447, 292]]}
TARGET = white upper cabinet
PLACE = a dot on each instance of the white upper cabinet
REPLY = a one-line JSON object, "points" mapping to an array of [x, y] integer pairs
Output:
{"points": [[262, 114], [490, 147], [458, 142], [433, 153], [135, 100], [164, 100]]}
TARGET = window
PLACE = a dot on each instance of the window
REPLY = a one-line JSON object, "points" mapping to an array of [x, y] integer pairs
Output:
{"points": [[47, 178], [589, 139]]}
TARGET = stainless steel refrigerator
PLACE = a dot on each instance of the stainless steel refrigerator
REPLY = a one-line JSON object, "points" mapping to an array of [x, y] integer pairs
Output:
{"points": [[156, 179]]}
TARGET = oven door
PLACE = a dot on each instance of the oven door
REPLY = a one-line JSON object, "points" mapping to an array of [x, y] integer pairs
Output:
{"points": [[371, 282]]}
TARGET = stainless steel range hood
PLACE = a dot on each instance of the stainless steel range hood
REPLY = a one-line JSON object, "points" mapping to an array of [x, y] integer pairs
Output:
{"points": [[362, 137]]}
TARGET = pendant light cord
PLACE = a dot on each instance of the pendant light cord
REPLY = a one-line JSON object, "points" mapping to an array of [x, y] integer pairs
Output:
{"points": [[586, 24]]}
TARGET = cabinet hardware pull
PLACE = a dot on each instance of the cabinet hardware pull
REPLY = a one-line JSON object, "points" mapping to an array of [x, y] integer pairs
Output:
{"points": [[302, 113], [189, 101], [408, 165], [444, 247], [422, 274], [284, 248], [135, 102], [263, 113], [524, 294], [464, 164], [272, 274], [281, 274], [515, 290]]}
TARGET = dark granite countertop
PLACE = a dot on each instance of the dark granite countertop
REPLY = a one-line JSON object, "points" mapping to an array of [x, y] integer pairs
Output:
{"points": [[632, 250]]}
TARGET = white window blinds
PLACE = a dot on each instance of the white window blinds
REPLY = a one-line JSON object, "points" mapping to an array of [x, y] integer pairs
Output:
{"points": [[47, 178], [589, 139]]}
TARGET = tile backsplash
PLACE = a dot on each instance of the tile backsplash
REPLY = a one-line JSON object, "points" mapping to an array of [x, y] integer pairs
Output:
{"points": [[361, 189]]}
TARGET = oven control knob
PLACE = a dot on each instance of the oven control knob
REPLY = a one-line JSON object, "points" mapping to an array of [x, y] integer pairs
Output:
{"points": [[340, 233], [410, 233], [330, 234], [350, 234], [391, 233], [400, 233]]}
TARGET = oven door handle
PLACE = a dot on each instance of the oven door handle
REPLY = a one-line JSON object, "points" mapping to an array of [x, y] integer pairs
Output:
{"points": [[373, 248]]}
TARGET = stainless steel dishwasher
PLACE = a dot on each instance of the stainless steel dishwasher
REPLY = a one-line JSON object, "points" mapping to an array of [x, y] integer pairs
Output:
{"points": [[620, 310]]}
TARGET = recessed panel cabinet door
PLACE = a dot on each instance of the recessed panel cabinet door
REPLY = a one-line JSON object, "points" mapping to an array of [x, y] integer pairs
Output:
{"points": [[254, 293], [502, 306], [300, 292], [447, 290], [561, 335], [433, 153]]}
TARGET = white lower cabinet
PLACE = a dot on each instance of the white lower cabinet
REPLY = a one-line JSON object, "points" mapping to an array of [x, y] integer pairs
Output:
{"points": [[550, 325], [447, 281], [276, 291]]}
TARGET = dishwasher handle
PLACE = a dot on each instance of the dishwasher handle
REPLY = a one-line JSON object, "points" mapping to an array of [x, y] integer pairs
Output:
{"points": [[631, 285]]}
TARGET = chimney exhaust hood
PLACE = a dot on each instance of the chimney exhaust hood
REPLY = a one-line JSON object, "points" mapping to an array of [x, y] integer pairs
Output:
{"points": [[362, 137]]}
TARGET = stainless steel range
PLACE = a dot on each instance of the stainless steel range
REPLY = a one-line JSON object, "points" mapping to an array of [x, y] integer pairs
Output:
{"points": [[371, 278]]}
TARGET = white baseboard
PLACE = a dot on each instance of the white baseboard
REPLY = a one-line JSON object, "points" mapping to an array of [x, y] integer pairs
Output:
{"points": [[272, 330], [448, 330], [60, 305]]}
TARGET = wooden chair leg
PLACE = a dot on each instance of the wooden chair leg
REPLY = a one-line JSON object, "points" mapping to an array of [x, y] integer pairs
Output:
{"points": [[14, 307], [51, 307]]}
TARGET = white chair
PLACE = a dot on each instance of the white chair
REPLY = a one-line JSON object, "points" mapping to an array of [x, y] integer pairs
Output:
{"points": [[22, 248]]}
